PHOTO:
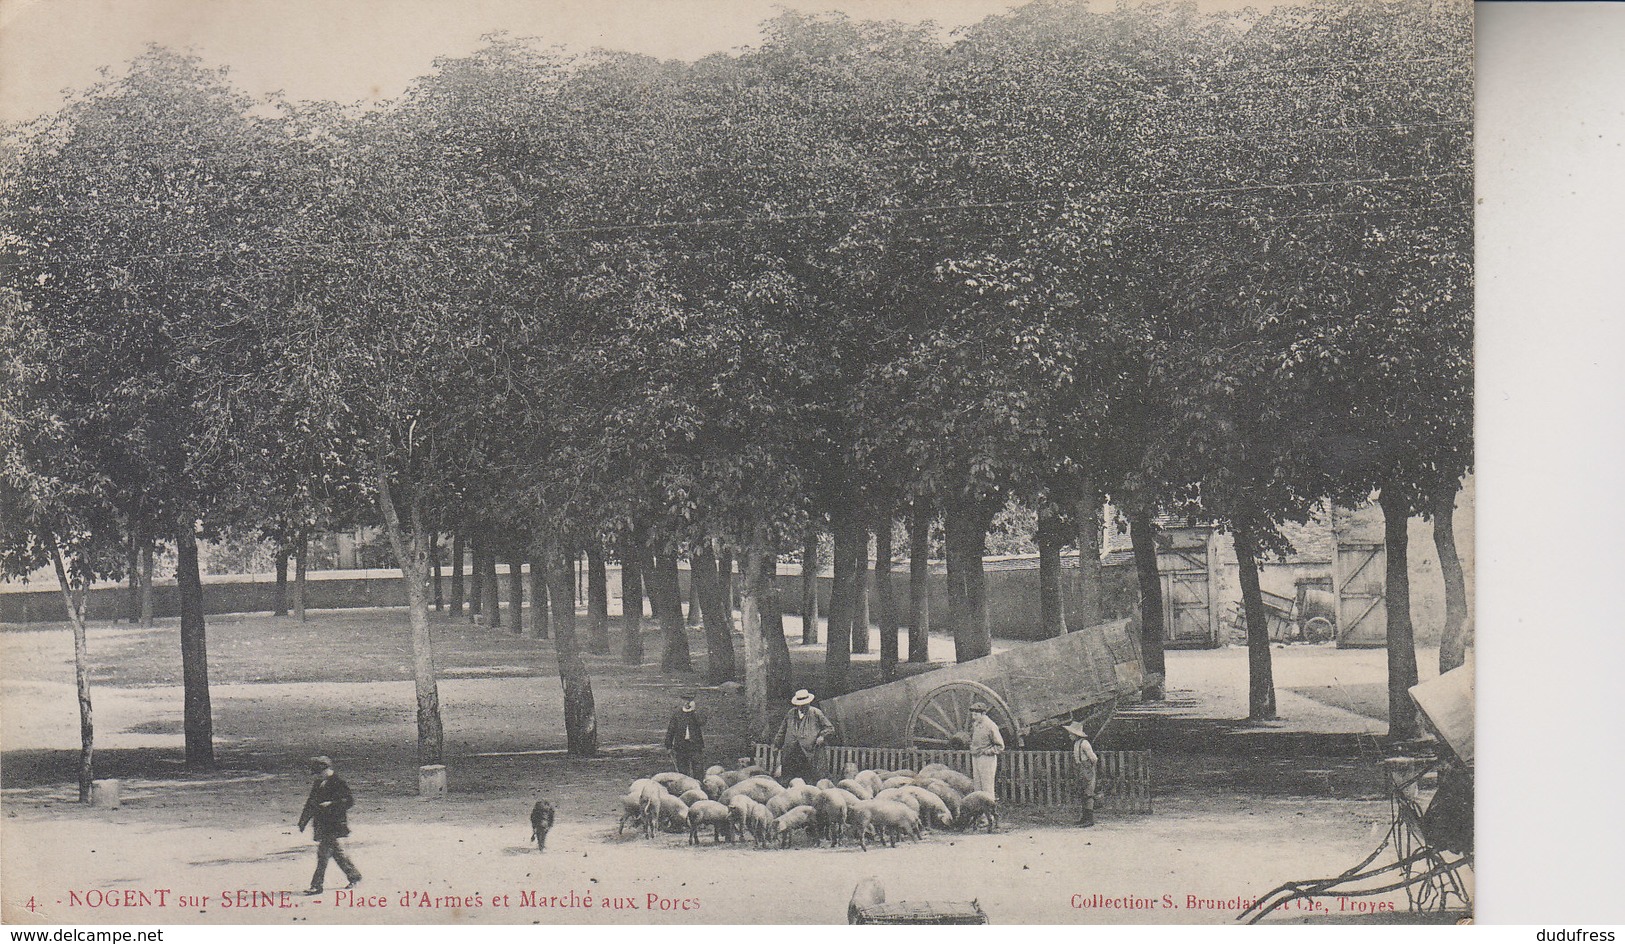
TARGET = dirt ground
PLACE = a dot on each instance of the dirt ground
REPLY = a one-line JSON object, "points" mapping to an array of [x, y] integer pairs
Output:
{"points": [[1239, 808]]}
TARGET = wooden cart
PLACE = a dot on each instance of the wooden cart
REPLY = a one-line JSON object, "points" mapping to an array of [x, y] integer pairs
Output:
{"points": [[1080, 676]]}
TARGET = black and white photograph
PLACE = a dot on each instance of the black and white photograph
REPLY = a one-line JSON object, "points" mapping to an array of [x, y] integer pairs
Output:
{"points": [[718, 462]]}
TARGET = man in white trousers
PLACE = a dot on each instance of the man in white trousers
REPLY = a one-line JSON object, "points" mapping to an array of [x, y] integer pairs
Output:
{"points": [[986, 744]]}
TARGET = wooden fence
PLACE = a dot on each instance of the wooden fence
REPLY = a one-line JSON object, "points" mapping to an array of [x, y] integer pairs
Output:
{"points": [[1038, 778]]}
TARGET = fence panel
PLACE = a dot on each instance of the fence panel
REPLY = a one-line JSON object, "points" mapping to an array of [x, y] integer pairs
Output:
{"points": [[1026, 778]]}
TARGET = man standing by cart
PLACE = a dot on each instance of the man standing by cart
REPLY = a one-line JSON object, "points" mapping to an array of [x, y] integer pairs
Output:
{"points": [[986, 744], [1088, 767], [803, 732]]}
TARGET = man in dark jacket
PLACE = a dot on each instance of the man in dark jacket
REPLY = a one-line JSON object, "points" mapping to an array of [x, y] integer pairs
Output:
{"points": [[327, 808], [684, 737], [804, 730]]}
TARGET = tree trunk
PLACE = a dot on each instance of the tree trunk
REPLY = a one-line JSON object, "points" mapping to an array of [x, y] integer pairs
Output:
{"points": [[966, 523], [132, 598], [301, 562], [849, 539], [665, 594], [692, 617], [476, 578], [73, 596], [809, 587], [860, 599], [1457, 635], [725, 572], [457, 552], [279, 603], [434, 564], [410, 553], [580, 716], [704, 573], [1260, 676], [516, 590], [756, 591], [919, 587], [1402, 671], [597, 599], [779, 684], [146, 584], [491, 602], [1091, 603], [885, 600], [198, 718], [631, 602], [540, 611], [1051, 537], [1143, 534]]}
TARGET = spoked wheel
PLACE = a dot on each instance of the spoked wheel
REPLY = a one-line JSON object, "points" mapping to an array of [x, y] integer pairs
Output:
{"points": [[942, 716], [1318, 629]]}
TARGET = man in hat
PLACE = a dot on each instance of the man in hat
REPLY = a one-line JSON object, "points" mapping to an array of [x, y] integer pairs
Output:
{"points": [[684, 738], [986, 744], [327, 808], [1088, 764], [803, 731]]}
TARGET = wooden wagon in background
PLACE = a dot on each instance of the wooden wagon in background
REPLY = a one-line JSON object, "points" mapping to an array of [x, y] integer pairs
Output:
{"points": [[1031, 690]]}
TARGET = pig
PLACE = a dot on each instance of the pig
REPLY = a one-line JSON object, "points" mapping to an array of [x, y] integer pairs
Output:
{"points": [[898, 795], [832, 807], [955, 779], [979, 807], [673, 814], [641, 807], [932, 810], [858, 789], [950, 797], [760, 789], [675, 783], [713, 814], [801, 817], [891, 821]]}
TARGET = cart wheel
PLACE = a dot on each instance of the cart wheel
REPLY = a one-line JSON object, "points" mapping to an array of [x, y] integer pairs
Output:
{"points": [[943, 714], [1318, 629]]}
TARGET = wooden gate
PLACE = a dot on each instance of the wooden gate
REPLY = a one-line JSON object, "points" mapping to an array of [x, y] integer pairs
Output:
{"points": [[1036, 778], [1190, 619], [1359, 575]]}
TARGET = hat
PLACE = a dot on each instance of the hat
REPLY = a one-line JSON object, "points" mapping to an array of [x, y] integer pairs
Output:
{"points": [[1075, 729], [320, 763], [979, 706], [802, 697]]}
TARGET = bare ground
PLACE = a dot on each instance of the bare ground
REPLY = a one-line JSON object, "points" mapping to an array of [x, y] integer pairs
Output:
{"points": [[1239, 808]]}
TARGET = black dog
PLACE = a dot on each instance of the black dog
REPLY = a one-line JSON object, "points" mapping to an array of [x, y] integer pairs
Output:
{"points": [[541, 820]]}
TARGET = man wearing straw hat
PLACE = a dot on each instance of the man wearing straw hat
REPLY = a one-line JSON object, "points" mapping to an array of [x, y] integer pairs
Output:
{"points": [[1088, 765], [803, 732], [986, 744]]}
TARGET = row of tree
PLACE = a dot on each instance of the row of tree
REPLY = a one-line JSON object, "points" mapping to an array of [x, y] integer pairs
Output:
{"points": [[1217, 264]]}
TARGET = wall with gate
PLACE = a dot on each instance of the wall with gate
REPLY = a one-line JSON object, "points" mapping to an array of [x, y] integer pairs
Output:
{"points": [[1185, 560]]}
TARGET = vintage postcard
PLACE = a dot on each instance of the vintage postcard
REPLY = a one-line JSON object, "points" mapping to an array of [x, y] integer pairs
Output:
{"points": [[731, 462]]}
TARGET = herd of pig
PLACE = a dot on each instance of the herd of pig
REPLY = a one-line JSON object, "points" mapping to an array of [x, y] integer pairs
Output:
{"points": [[884, 805]]}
